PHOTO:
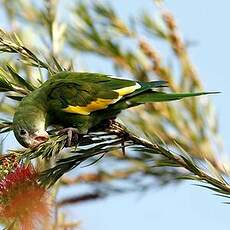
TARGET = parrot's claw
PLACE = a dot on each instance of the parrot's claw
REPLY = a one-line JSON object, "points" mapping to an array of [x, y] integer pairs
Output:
{"points": [[123, 147], [115, 127], [72, 136]]}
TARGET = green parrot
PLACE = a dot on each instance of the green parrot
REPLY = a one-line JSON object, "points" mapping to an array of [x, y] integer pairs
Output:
{"points": [[81, 101]]}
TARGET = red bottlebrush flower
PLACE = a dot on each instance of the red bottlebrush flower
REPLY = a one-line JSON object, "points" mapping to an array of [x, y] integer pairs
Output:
{"points": [[22, 200]]}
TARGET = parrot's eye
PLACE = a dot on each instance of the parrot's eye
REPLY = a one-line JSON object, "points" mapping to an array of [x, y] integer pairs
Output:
{"points": [[23, 132]]}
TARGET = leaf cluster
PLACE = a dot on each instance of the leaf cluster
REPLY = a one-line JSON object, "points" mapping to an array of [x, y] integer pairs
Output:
{"points": [[144, 153], [131, 46]]}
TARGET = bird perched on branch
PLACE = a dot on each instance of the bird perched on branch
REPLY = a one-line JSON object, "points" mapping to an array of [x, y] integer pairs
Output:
{"points": [[79, 102]]}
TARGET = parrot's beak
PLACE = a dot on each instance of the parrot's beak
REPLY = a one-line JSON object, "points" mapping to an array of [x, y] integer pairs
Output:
{"points": [[39, 138]]}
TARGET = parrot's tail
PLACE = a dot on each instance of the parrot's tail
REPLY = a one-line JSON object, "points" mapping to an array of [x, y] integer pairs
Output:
{"points": [[147, 94], [153, 96]]}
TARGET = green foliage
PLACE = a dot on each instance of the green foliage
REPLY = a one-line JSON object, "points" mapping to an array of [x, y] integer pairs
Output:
{"points": [[94, 28]]}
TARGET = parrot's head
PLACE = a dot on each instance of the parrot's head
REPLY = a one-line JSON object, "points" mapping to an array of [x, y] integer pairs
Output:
{"points": [[29, 127]]}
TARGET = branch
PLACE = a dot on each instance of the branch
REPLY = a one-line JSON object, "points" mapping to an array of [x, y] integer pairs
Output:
{"points": [[80, 198], [117, 137], [219, 184]]}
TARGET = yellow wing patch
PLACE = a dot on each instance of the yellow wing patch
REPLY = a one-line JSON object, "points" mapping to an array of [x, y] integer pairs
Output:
{"points": [[100, 103], [127, 90]]}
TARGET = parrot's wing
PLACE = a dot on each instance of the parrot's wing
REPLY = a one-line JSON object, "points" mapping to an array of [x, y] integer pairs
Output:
{"points": [[85, 94]]}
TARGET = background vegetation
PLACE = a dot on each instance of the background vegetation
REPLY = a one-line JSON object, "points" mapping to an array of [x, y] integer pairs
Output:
{"points": [[180, 139]]}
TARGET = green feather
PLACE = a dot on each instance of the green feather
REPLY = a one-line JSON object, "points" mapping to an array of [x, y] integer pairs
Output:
{"points": [[154, 96]]}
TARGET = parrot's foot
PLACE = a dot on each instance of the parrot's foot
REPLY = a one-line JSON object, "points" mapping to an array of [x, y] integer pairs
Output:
{"points": [[115, 127], [72, 136]]}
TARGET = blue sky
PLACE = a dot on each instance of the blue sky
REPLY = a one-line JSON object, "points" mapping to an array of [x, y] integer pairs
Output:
{"points": [[185, 206]]}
